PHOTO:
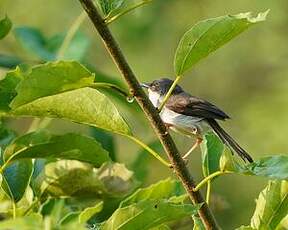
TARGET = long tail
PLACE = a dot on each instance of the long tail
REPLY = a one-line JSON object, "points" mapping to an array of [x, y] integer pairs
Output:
{"points": [[228, 140]]}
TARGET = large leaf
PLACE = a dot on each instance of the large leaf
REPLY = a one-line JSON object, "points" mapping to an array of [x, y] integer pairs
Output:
{"points": [[148, 214], [7, 88], [69, 146], [46, 49], [16, 178], [208, 35], [162, 190], [271, 206], [5, 27], [86, 106], [73, 178], [211, 149], [51, 78]]}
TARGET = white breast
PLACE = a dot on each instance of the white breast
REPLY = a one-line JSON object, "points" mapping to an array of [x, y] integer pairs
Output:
{"points": [[154, 98]]}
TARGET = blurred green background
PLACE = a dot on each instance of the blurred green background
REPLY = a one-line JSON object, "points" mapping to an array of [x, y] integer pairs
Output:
{"points": [[246, 78]]}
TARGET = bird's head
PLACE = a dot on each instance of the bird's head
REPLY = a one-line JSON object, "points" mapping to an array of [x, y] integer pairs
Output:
{"points": [[161, 87]]}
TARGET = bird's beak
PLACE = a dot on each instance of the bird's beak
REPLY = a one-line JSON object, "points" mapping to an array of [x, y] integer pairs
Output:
{"points": [[145, 85]]}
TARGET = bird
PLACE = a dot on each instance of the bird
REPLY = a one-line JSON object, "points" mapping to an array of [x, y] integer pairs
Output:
{"points": [[190, 115]]}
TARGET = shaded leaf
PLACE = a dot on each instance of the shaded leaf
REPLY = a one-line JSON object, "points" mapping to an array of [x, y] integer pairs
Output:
{"points": [[107, 141], [51, 78], [140, 166], [89, 212], [161, 227], [245, 228], [161, 190], [68, 146], [209, 35], [6, 136], [211, 149], [271, 206], [9, 62], [7, 88], [5, 27], [73, 178], [148, 214], [86, 106], [16, 178]]}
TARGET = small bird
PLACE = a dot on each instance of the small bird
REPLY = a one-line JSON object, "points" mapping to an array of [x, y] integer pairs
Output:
{"points": [[190, 115]]}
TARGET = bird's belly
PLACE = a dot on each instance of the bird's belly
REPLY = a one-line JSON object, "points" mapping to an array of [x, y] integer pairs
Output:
{"points": [[181, 123]]}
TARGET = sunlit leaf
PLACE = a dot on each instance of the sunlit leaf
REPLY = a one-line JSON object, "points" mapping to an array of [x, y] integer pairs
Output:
{"points": [[209, 35], [148, 214], [162, 190], [271, 206], [32, 222], [211, 149], [68, 146], [89, 212], [5, 27], [86, 106], [51, 78]]}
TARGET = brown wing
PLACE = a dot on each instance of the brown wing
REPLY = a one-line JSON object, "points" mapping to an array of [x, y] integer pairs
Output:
{"points": [[188, 105]]}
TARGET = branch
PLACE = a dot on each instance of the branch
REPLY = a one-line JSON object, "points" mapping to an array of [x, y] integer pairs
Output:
{"points": [[150, 112]]}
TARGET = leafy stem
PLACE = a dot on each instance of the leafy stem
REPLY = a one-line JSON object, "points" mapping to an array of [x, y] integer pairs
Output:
{"points": [[109, 20], [169, 92]]}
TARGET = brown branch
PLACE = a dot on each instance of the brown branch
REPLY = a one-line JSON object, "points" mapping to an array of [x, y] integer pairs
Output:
{"points": [[150, 112]]}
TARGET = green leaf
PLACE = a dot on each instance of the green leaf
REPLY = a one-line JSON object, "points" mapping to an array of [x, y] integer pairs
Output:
{"points": [[107, 6], [273, 167], [209, 35], [161, 227], [9, 62], [5, 27], [76, 179], [107, 141], [51, 78], [70, 146], [140, 166], [211, 149], [6, 136], [162, 190], [148, 214], [47, 49], [86, 106], [198, 225], [271, 206], [89, 212], [7, 88], [245, 228], [16, 178], [33, 40], [32, 222]]}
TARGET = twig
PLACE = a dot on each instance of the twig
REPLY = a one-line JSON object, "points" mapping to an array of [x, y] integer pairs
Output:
{"points": [[150, 112]]}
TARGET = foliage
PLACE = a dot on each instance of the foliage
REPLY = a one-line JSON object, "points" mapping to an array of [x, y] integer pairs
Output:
{"points": [[73, 181]]}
